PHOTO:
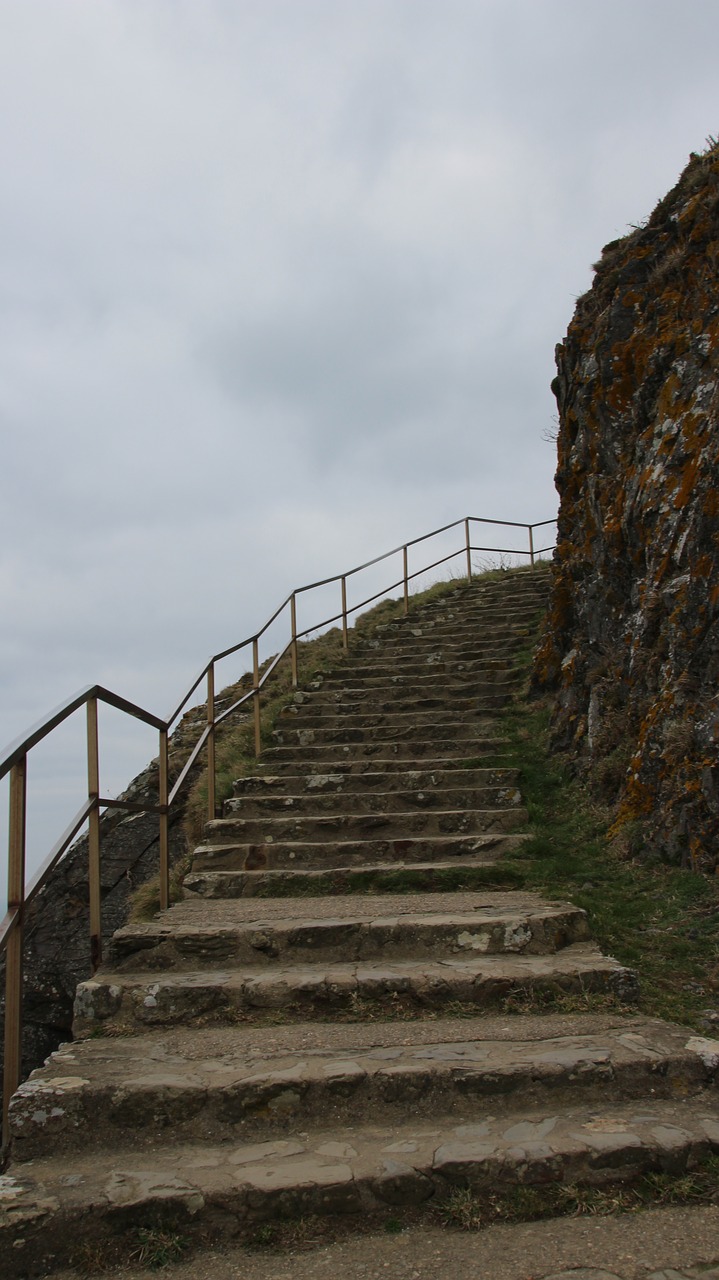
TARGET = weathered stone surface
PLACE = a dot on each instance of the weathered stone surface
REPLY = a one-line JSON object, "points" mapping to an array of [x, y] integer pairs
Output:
{"points": [[309, 990], [128, 1090], [343, 928], [632, 643], [323, 1172]]}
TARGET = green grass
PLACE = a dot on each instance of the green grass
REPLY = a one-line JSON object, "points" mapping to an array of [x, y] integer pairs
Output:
{"points": [[659, 920]]}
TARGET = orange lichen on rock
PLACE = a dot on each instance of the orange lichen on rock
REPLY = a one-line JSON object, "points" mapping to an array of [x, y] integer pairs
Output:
{"points": [[631, 647]]}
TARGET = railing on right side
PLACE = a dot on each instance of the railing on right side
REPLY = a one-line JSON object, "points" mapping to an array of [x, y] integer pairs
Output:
{"points": [[14, 761]]}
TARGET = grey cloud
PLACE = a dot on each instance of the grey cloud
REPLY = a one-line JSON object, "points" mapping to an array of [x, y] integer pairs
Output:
{"points": [[281, 287]]}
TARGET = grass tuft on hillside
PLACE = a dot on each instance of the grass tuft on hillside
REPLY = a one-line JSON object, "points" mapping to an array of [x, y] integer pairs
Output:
{"points": [[659, 920]]}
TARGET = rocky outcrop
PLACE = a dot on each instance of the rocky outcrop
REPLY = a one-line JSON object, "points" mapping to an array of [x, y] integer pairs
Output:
{"points": [[631, 647]]}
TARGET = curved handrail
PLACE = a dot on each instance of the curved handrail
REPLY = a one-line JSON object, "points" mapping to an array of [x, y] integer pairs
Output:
{"points": [[14, 760]]}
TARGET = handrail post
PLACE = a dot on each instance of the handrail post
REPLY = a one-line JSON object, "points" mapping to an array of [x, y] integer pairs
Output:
{"points": [[93, 835], [345, 644], [406, 580], [293, 646], [469, 549], [211, 742], [531, 544], [256, 694], [164, 823], [14, 948]]}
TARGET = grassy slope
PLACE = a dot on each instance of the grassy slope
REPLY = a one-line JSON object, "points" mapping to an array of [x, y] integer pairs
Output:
{"points": [[661, 921]]}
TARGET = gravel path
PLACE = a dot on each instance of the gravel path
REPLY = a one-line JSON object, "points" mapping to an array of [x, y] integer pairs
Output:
{"points": [[660, 1244]]}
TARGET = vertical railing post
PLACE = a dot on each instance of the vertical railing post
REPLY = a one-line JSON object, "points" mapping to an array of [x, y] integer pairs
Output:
{"points": [[469, 549], [14, 946], [256, 694], [93, 835], [164, 823], [293, 646], [211, 798], [405, 575], [345, 643], [531, 544]]}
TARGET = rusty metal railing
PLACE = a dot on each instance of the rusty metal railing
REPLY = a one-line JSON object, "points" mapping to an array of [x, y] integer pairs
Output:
{"points": [[14, 762]]}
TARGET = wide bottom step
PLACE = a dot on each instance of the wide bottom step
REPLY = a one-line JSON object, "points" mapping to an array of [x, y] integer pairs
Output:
{"points": [[215, 1191]]}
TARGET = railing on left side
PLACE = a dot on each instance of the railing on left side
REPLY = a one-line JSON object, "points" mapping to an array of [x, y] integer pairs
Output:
{"points": [[14, 761]]}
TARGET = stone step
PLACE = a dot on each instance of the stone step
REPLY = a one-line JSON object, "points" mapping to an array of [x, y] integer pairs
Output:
{"points": [[363, 701], [398, 877], [492, 643], [350, 854], [478, 645], [337, 800], [475, 678], [474, 604], [453, 631], [289, 828], [208, 1191], [429, 926], [277, 765], [410, 781], [391, 666], [388, 736], [115, 1003], [456, 639], [432, 754], [141, 1091], [356, 716]]}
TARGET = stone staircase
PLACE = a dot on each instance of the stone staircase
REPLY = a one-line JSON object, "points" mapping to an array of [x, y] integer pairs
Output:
{"points": [[328, 1022]]}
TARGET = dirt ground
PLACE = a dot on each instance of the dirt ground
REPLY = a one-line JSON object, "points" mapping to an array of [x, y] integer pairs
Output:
{"points": [[674, 1242]]}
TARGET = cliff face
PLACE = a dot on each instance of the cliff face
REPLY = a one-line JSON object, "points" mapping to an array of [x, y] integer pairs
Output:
{"points": [[632, 641]]}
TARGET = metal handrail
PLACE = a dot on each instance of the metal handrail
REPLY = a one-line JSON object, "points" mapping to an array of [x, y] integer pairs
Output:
{"points": [[14, 763]]}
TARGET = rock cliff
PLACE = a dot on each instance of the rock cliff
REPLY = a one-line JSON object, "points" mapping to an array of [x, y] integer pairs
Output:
{"points": [[631, 647]]}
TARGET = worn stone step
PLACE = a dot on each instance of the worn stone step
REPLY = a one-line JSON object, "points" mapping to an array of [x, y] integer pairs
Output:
{"points": [[456, 633], [396, 658], [211, 1191], [398, 877], [496, 663], [476, 605], [348, 929], [141, 1091], [401, 688], [388, 735], [394, 757], [433, 752], [352, 853], [349, 779], [335, 801], [422, 707], [432, 664], [118, 1003], [410, 781], [289, 827], [477, 612], [387, 716], [460, 639], [400, 652]]}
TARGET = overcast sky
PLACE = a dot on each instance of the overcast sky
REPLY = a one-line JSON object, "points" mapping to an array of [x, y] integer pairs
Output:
{"points": [[281, 285]]}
